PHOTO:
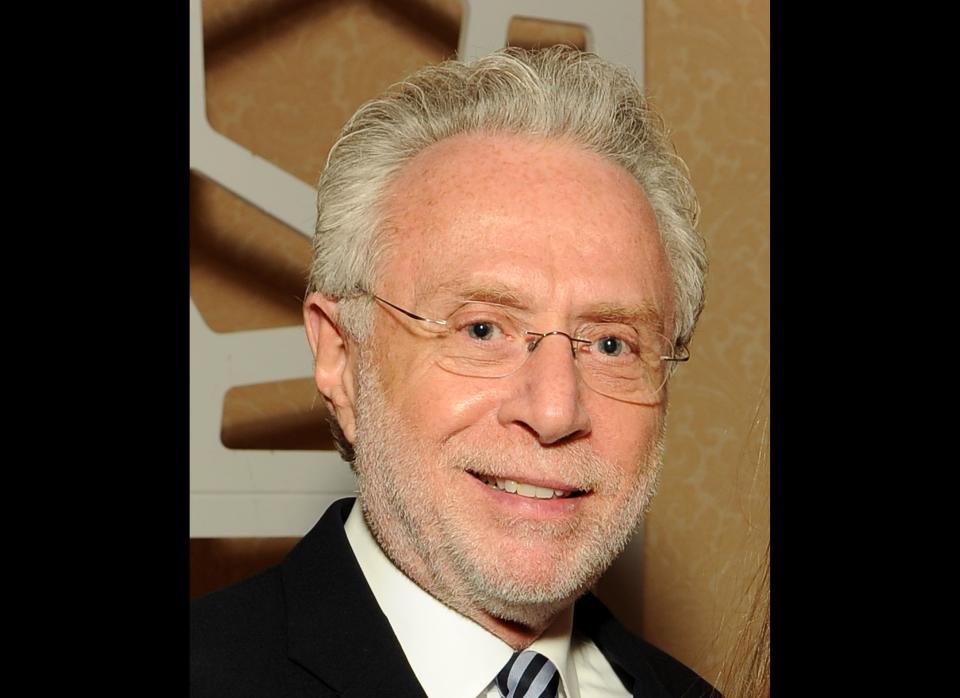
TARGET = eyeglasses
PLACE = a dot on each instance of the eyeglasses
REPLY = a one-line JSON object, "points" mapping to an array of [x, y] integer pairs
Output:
{"points": [[487, 340]]}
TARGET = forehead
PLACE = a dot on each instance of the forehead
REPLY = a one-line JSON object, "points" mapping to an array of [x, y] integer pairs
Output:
{"points": [[543, 217]]}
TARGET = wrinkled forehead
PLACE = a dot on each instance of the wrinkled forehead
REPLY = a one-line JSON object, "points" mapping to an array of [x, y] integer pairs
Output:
{"points": [[542, 219]]}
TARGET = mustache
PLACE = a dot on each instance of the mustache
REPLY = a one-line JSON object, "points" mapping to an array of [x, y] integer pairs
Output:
{"points": [[575, 464]]}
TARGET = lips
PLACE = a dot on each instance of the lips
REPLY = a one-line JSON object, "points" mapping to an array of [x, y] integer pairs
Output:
{"points": [[527, 489]]}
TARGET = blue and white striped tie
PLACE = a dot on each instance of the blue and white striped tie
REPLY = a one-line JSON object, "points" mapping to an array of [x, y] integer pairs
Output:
{"points": [[528, 674]]}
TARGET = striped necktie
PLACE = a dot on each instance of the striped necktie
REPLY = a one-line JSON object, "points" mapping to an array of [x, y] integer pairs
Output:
{"points": [[528, 674]]}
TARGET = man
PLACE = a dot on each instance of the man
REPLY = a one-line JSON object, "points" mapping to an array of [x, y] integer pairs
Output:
{"points": [[505, 273]]}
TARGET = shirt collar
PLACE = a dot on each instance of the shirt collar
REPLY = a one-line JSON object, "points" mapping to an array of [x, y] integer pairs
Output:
{"points": [[451, 655]]}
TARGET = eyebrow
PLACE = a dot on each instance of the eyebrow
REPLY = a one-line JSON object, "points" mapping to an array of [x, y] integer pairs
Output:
{"points": [[487, 292], [635, 314]]}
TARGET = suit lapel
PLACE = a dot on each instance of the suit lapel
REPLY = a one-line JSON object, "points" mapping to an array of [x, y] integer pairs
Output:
{"points": [[335, 629], [620, 648]]}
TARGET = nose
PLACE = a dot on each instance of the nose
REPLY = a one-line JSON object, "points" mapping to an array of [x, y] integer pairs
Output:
{"points": [[547, 397]]}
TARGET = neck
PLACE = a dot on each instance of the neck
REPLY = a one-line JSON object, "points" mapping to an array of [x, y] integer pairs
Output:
{"points": [[517, 635]]}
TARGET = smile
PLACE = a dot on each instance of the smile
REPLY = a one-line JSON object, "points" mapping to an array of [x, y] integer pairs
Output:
{"points": [[525, 489]]}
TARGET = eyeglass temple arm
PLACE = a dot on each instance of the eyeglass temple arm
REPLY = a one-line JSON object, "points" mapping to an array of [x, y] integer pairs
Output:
{"points": [[684, 355], [408, 313]]}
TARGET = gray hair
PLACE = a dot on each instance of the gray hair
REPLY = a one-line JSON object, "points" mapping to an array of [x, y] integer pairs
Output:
{"points": [[558, 92]]}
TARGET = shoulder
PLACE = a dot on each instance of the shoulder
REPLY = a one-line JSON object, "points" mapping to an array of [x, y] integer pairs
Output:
{"points": [[635, 660], [237, 634], [251, 607], [267, 634]]}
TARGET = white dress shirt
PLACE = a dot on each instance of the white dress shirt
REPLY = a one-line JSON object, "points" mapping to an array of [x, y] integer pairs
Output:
{"points": [[454, 657]]}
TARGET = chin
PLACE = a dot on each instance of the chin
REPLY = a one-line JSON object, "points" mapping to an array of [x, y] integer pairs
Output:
{"points": [[531, 593], [530, 615]]}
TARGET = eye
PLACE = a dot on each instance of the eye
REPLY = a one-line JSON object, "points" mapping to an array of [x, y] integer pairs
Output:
{"points": [[481, 325], [482, 330], [611, 346]]}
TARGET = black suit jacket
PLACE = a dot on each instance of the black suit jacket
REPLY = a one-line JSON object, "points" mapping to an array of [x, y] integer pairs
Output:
{"points": [[311, 627]]}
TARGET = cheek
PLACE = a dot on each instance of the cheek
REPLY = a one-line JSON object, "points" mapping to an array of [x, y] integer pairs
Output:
{"points": [[448, 405], [438, 405], [626, 436]]}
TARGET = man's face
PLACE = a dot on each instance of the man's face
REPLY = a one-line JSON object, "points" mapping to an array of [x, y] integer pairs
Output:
{"points": [[563, 234]]}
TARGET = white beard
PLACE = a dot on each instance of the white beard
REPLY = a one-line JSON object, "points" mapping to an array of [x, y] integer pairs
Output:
{"points": [[438, 544]]}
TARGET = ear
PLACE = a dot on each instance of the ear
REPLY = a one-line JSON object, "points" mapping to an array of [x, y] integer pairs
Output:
{"points": [[333, 369]]}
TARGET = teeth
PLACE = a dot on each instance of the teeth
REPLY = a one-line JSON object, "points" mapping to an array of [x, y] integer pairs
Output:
{"points": [[525, 490]]}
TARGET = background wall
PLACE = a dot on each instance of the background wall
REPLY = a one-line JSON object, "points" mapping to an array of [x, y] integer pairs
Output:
{"points": [[282, 77], [708, 68]]}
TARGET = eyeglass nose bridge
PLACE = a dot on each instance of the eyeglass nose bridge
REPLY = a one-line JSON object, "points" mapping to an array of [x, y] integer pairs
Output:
{"points": [[540, 336]]}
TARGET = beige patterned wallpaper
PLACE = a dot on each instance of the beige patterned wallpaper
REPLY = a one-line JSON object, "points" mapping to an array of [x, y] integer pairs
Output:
{"points": [[283, 75], [708, 69]]}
